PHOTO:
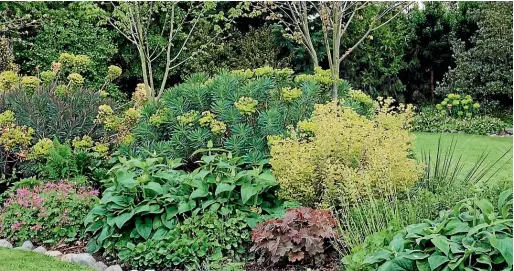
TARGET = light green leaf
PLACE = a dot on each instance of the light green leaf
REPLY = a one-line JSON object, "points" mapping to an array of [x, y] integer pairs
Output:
{"points": [[199, 193], [436, 260], [247, 191], [442, 243], [126, 179], [486, 207], [155, 188], [503, 198], [224, 187], [504, 245], [186, 206]]}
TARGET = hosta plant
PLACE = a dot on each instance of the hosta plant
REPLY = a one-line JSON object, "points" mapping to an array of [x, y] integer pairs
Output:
{"points": [[472, 236], [300, 235], [146, 198]]}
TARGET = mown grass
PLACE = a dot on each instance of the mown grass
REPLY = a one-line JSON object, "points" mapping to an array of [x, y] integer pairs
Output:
{"points": [[470, 148], [19, 260]]}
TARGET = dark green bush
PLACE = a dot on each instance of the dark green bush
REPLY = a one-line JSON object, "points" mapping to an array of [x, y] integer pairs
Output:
{"points": [[432, 120]]}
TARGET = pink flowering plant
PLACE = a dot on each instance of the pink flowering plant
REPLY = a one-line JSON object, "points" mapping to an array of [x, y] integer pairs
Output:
{"points": [[48, 213]]}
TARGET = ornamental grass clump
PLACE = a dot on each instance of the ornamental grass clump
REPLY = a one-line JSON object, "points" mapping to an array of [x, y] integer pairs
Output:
{"points": [[339, 157], [49, 212]]}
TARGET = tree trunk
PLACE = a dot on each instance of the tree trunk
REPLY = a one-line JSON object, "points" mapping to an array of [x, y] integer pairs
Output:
{"points": [[431, 84]]}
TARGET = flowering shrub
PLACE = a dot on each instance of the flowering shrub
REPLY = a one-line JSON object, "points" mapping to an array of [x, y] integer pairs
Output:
{"points": [[432, 120], [456, 107], [299, 235], [49, 212], [339, 155]]}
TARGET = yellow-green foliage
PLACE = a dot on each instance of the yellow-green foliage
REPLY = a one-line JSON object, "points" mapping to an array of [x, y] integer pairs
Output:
{"points": [[291, 94], [454, 106], [13, 137], [74, 63], [189, 118], [61, 90], [101, 148], [83, 143], [30, 83], [48, 77], [246, 105], [107, 118], [8, 80], [40, 149], [320, 76], [7, 118], [113, 72], [76, 79], [339, 156], [264, 71]]}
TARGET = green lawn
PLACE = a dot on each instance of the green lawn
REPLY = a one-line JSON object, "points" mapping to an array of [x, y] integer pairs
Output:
{"points": [[20, 260], [470, 147]]}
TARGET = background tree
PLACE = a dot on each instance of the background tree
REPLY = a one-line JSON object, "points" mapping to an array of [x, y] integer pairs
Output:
{"points": [[166, 36], [298, 17], [484, 70]]}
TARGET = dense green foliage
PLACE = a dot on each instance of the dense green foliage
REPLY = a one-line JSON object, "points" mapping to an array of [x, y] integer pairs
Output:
{"points": [[217, 89], [433, 120], [485, 69], [237, 110]]}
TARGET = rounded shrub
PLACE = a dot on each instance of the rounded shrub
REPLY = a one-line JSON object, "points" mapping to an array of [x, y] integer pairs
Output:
{"points": [[340, 156]]}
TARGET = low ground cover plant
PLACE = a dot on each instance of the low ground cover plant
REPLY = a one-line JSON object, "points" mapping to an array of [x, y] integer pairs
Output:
{"points": [[47, 212]]}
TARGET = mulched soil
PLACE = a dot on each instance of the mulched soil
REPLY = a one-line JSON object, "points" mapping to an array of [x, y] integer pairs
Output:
{"points": [[330, 263]]}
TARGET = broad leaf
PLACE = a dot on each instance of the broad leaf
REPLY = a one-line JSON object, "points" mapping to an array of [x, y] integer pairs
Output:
{"points": [[199, 193], [486, 207], [126, 179], [504, 245], [436, 260], [247, 191], [120, 220], [224, 187], [144, 227], [442, 243], [155, 188]]}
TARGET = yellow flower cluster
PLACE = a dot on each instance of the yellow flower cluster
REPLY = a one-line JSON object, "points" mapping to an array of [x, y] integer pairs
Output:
{"points": [[107, 118], [101, 148], [264, 71], [159, 117], [74, 63], [48, 77], [291, 94], [61, 90], [84, 143], [140, 96], [348, 158], [457, 107], [30, 83], [8, 80], [76, 79], [131, 116], [246, 105], [320, 76], [40, 149], [113, 72], [217, 127], [13, 136], [188, 118]]}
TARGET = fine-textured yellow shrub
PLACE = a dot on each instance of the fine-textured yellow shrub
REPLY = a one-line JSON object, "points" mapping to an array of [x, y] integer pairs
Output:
{"points": [[339, 156]]}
